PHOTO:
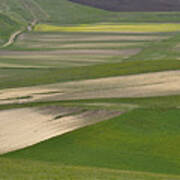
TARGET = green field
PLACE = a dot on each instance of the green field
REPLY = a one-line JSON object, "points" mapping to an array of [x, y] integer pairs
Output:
{"points": [[126, 142], [111, 27], [140, 141], [111, 79]]}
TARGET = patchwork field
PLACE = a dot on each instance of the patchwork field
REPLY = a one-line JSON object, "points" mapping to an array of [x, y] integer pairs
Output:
{"points": [[88, 94]]}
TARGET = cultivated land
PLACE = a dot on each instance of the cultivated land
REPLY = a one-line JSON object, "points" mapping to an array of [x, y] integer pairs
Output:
{"points": [[87, 93]]}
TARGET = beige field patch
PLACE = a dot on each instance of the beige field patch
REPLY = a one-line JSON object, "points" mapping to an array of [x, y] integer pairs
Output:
{"points": [[20, 128], [96, 45], [78, 45], [20, 66], [99, 38], [39, 54], [142, 85]]}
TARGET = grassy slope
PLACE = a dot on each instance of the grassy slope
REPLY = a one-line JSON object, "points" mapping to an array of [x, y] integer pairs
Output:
{"points": [[134, 6], [15, 14], [157, 56], [28, 170], [145, 139], [23, 11], [66, 12], [44, 76], [7, 27], [141, 140]]}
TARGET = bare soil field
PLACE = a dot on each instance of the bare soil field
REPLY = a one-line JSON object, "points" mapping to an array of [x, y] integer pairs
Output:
{"points": [[20, 128], [133, 5], [67, 52], [142, 85], [89, 37], [81, 45]]}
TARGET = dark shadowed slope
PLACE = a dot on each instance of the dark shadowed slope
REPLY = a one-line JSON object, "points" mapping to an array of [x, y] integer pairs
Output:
{"points": [[133, 5]]}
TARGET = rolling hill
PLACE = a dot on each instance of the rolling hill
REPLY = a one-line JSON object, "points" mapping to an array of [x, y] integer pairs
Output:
{"points": [[133, 5], [92, 91], [23, 12]]}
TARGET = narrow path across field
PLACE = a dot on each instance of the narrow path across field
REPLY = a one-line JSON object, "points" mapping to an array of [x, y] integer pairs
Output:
{"points": [[12, 38], [17, 33]]}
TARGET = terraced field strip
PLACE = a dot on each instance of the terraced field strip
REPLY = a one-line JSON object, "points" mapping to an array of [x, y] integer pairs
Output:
{"points": [[61, 50], [130, 28], [142, 85]]}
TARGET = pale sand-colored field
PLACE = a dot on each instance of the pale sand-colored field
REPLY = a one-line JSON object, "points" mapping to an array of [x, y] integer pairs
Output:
{"points": [[79, 45], [99, 45], [38, 54], [92, 37], [142, 85], [20, 128], [19, 65]]}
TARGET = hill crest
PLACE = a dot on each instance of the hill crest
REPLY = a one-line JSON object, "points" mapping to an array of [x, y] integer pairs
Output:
{"points": [[133, 5]]}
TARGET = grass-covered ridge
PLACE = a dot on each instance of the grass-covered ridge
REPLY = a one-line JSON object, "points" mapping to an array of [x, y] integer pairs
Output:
{"points": [[66, 12]]}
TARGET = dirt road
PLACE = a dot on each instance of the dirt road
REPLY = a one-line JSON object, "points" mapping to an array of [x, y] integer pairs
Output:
{"points": [[12, 38], [17, 33]]}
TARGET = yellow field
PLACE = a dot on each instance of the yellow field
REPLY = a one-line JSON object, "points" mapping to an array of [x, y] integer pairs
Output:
{"points": [[110, 28]]}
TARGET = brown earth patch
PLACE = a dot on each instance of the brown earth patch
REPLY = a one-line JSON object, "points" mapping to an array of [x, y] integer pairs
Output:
{"points": [[101, 38], [43, 54]]}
